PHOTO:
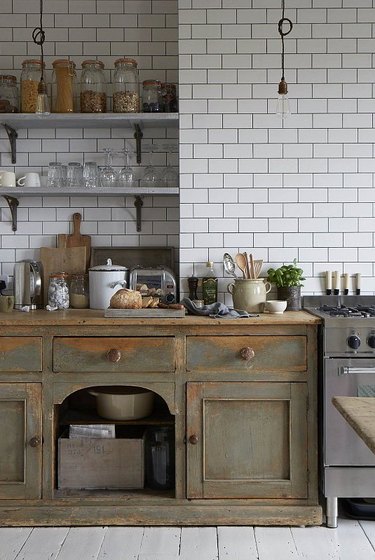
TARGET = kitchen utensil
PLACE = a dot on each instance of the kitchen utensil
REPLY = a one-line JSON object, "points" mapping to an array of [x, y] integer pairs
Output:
{"points": [[123, 403], [248, 271], [28, 284], [75, 239], [241, 263], [104, 281], [252, 269], [229, 265], [258, 263], [70, 259], [249, 294]]}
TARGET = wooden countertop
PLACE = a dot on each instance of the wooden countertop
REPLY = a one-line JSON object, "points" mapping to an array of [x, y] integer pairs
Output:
{"points": [[359, 412], [94, 317]]}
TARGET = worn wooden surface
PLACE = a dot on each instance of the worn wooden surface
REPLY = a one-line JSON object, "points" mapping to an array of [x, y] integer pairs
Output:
{"points": [[76, 239], [71, 260], [20, 353], [359, 412]]}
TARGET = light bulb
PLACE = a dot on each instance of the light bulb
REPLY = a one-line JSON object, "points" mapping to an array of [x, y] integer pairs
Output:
{"points": [[42, 102], [282, 105]]}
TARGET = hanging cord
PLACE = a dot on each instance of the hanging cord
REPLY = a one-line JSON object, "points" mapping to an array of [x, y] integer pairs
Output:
{"points": [[39, 36], [282, 33]]}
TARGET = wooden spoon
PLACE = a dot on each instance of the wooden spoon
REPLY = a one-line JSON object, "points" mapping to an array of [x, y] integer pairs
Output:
{"points": [[248, 269], [241, 263], [258, 263], [252, 269]]}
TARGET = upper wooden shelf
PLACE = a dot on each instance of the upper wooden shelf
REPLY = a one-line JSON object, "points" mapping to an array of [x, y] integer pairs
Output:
{"points": [[90, 120]]}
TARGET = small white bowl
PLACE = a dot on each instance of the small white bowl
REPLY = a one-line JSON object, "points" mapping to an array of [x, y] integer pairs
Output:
{"points": [[275, 306]]}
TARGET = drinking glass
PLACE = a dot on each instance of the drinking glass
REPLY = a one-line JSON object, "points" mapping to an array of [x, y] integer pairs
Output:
{"points": [[108, 175], [150, 176], [74, 175], [169, 176], [126, 174], [90, 174], [55, 177]]}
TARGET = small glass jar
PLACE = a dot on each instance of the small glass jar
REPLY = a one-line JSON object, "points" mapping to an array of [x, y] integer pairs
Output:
{"points": [[30, 78], [63, 86], [58, 291], [126, 86], [160, 457], [8, 94], [78, 293], [169, 98], [93, 98], [151, 96]]}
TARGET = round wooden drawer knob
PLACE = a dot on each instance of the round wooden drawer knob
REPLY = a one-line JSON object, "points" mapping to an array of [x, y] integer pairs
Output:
{"points": [[247, 353], [193, 439], [113, 355], [35, 441]]}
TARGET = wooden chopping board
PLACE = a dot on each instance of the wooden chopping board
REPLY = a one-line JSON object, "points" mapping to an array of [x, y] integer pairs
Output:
{"points": [[76, 239], [71, 260]]}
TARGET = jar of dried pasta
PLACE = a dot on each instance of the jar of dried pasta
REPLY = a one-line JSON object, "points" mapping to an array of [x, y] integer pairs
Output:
{"points": [[126, 86], [30, 78], [8, 94], [93, 98], [63, 86]]}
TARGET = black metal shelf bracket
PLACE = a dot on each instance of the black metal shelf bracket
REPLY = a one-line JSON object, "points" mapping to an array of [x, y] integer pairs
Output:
{"points": [[12, 135], [138, 135], [13, 204], [138, 203]]}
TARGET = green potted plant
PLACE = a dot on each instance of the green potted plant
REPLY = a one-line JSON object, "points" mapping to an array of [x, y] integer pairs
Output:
{"points": [[288, 280]]}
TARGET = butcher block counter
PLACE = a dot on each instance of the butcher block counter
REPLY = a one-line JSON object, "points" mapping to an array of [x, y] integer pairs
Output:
{"points": [[236, 396], [359, 412]]}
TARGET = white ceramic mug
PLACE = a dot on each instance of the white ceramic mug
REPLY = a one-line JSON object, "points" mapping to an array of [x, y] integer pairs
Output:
{"points": [[7, 178], [29, 180]]}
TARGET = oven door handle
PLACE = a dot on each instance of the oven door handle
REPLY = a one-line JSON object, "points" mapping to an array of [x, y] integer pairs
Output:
{"points": [[345, 370]]}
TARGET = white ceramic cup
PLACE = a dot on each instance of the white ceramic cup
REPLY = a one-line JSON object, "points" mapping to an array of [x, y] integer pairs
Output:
{"points": [[7, 178], [29, 180], [275, 306]]}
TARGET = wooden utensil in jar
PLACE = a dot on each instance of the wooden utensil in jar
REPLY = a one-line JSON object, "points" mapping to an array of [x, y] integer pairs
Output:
{"points": [[241, 263]]}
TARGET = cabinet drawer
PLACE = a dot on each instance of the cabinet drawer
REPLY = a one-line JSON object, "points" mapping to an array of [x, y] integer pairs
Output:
{"points": [[92, 354], [20, 353], [239, 353]]}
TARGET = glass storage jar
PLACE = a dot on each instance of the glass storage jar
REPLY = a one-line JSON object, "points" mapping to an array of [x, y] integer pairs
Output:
{"points": [[126, 86], [63, 86], [160, 457], [30, 78], [78, 292], [168, 98], [151, 96], [8, 94], [93, 98], [58, 291]]}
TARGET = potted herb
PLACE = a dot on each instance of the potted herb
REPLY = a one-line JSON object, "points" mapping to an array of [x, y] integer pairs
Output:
{"points": [[288, 280]]}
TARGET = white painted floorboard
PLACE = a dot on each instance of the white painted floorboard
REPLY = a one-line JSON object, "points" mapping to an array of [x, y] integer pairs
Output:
{"points": [[352, 540]]}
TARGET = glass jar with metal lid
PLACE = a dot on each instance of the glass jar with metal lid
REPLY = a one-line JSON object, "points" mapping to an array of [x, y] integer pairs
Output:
{"points": [[78, 291], [151, 96], [8, 94], [63, 86], [30, 78], [93, 97], [126, 86], [58, 291]]}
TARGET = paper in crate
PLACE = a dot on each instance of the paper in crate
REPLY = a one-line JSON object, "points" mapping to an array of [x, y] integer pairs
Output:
{"points": [[86, 463]]}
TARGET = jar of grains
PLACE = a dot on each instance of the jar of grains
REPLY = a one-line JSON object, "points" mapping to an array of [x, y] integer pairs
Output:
{"points": [[30, 78], [126, 87], [8, 94], [63, 86], [151, 96], [58, 291], [93, 97], [78, 292]]}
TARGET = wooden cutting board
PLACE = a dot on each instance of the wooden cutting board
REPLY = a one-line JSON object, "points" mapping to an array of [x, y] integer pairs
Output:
{"points": [[71, 260], [76, 239]]}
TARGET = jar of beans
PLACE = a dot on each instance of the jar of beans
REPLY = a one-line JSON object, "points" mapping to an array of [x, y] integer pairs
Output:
{"points": [[93, 98], [58, 291], [126, 86], [63, 86], [151, 96], [8, 94], [30, 78]]}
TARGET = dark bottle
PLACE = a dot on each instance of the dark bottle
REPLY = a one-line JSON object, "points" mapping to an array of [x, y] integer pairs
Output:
{"points": [[209, 285], [193, 286], [160, 459]]}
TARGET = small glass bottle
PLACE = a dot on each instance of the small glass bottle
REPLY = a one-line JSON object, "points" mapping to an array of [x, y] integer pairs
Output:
{"points": [[8, 94], [93, 98], [209, 285], [78, 293], [63, 86], [30, 78], [126, 86], [151, 96], [58, 291], [160, 457]]}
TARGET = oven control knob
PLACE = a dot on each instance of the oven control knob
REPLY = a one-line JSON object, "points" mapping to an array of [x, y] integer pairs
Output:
{"points": [[354, 341], [371, 341]]}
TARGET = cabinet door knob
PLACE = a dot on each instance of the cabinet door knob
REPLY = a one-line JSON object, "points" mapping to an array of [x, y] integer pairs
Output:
{"points": [[193, 439], [247, 353], [114, 355], [35, 441]]}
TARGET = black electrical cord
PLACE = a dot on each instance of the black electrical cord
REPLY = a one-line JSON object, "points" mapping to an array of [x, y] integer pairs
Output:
{"points": [[39, 36], [282, 33]]}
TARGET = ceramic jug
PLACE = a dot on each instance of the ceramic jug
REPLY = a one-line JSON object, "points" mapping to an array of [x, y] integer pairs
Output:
{"points": [[249, 295]]}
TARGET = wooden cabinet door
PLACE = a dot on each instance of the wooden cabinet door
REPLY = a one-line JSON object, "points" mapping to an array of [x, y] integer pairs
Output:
{"points": [[20, 441], [246, 440]]}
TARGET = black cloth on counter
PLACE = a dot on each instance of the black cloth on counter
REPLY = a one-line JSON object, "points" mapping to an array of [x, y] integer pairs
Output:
{"points": [[216, 309]]}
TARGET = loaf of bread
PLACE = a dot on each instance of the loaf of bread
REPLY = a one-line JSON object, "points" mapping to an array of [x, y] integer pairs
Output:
{"points": [[126, 299]]}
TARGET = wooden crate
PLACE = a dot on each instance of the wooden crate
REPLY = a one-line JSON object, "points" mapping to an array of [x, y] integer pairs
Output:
{"points": [[87, 463]]}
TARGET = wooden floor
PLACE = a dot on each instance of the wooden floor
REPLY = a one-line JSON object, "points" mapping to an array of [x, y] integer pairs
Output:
{"points": [[352, 540]]}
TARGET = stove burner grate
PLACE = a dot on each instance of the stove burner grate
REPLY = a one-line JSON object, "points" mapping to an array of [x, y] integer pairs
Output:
{"points": [[344, 311]]}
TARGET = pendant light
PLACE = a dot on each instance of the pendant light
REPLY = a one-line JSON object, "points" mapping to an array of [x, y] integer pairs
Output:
{"points": [[282, 106], [39, 36]]}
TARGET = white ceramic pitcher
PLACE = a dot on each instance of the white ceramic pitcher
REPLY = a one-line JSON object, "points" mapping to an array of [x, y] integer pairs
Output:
{"points": [[249, 295]]}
